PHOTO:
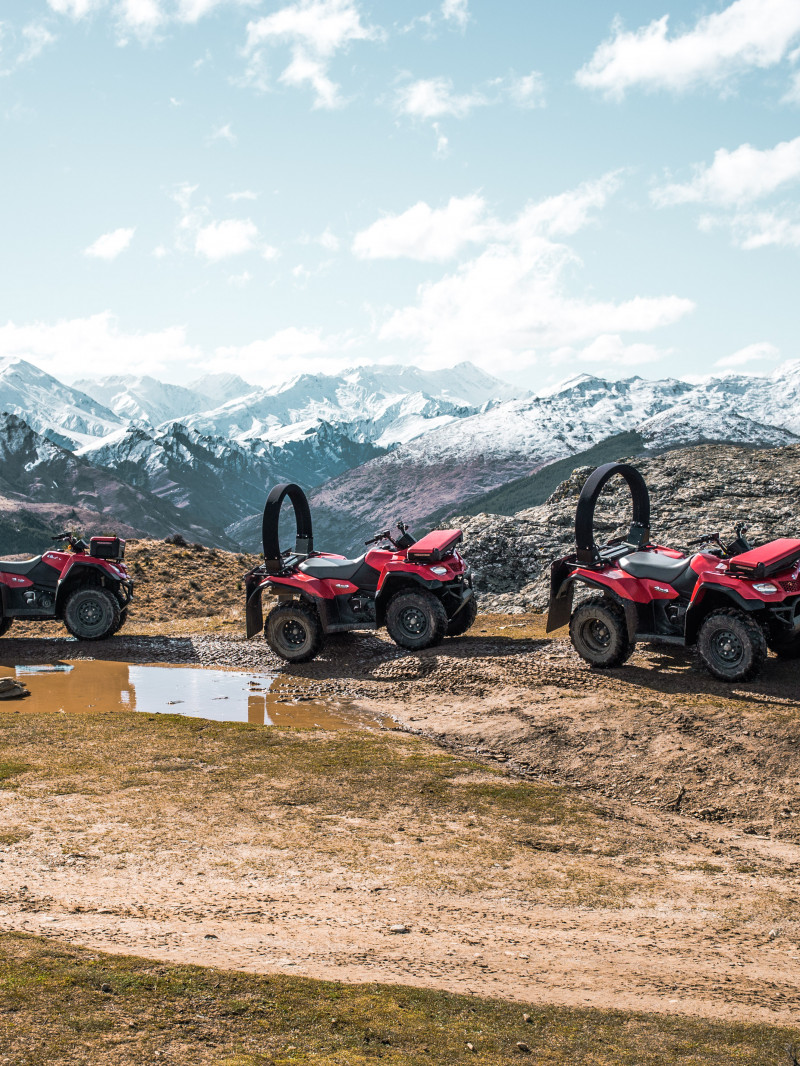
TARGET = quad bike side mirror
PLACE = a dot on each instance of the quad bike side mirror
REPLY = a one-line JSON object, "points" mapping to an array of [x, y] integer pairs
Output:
{"points": [[304, 543], [639, 533]]}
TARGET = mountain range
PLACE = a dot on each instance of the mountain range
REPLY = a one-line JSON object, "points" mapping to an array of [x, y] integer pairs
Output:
{"points": [[371, 444]]}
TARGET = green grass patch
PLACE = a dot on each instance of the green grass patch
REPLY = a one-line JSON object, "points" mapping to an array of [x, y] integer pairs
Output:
{"points": [[68, 1006], [10, 770]]}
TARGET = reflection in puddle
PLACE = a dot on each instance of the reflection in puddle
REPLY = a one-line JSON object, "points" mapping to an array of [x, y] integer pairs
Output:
{"points": [[96, 686]]}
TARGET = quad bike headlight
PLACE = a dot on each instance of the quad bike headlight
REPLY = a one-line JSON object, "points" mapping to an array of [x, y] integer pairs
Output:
{"points": [[438, 569], [766, 587]]}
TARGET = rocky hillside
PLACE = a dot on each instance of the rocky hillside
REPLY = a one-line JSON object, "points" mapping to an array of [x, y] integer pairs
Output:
{"points": [[692, 491]]}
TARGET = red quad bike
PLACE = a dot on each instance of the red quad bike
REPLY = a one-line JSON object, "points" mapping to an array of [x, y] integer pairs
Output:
{"points": [[730, 602], [420, 590], [85, 585]]}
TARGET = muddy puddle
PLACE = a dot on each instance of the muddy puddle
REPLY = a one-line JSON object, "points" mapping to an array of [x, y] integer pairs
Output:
{"points": [[98, 686]]}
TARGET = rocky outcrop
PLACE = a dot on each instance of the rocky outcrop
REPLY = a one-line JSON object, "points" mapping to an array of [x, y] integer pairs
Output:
{"points": [[708, 488]]}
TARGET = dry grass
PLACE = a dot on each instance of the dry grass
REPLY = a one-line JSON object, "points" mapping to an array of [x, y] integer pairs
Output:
{"points": [[62, 1005]]}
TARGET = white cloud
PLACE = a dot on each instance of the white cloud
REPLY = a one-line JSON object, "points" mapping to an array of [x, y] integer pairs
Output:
{"points": [[314, 30], [737, 177], [305, 68], [610, 350], [76, 9], [760, 229], [512, 298], [243, 194], [240, 280], [221, 240], [436, 234], [99, 341], [752, 353], [434, 97], [442, 142], [224, 133], [144, 17], [425, 233], [456, 11], [194, 10], [566, 212], [528, 90], [747, 34], [329, 240], [792, 94], [36, 37], [160, 252], [110, 245]]}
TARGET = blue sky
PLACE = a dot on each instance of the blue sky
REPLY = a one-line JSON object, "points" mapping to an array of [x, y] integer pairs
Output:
{"points": [[268, 187]]}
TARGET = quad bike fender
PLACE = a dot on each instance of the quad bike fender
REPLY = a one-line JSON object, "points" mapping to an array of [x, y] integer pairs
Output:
{"points": [[86, 572], [562, 591], [714, 597]]}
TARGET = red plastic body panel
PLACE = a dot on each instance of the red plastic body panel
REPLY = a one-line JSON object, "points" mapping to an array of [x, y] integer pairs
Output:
{"points": [[387, 563], [712, 572], [15, 581]]}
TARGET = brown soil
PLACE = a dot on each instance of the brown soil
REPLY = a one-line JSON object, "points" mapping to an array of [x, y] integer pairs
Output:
{"points": [[628, 839]]}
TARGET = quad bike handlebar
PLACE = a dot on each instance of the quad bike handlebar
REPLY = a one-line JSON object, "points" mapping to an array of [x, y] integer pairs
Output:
{"points": [[405, 540], [737, 546], [75, 544]]}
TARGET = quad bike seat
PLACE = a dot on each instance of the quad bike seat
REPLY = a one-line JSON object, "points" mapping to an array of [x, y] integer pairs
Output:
{"points": [[23, 566], [656, 567], [355, 570]]}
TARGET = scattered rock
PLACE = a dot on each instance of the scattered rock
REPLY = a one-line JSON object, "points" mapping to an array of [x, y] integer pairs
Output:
{"points": [[523, 1047], [399, 928]]}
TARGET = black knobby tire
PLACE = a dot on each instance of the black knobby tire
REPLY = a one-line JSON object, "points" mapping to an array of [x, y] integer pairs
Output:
{"points": [[731, 646], [5, 625], [784, 648], [294, 632], [92, 613], [464, 620], [123, 618], [598, 630], [416, 619]]}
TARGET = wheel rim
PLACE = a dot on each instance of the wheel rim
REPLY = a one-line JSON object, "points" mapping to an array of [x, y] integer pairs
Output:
{"points": [[90, 613], [414, 621], [293, 633], [726, 649], [596, 634]]}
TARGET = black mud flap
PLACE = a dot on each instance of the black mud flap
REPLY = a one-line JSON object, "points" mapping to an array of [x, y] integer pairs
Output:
{"points": [[561, 592], [254, 612]]}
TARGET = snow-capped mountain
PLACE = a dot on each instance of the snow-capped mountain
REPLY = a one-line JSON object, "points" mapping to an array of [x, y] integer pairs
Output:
{"points": [[60, 412], [146, 399], [219, 481], [40, 479], [385, 405], [685, 424], [518, 437], [375, 443]]}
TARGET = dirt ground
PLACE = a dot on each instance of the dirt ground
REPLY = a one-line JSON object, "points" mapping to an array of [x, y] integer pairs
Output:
{"points": [[546, 834]]}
